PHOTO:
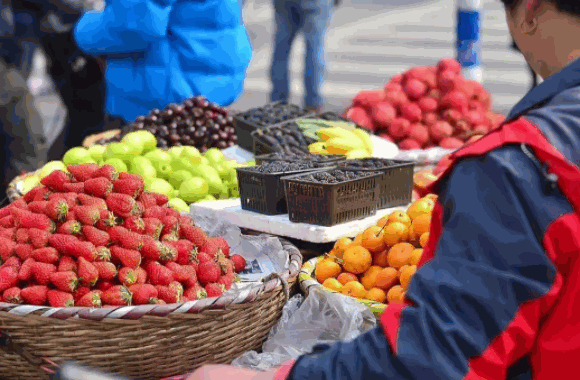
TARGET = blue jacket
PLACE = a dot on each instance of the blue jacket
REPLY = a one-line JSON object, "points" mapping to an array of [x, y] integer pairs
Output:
{"points": [[164, 51], [497, 294]]}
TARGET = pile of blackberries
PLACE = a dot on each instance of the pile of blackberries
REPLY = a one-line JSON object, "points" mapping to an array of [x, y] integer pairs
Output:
{"points": [[335, 176], [367, 163], [283, 167], [274, 113]]}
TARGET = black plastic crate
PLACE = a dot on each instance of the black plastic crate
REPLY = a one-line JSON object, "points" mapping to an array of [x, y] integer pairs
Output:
{"points": [[329, 204], [264, 192], [396, 181], [326, 159], [244, 128]]}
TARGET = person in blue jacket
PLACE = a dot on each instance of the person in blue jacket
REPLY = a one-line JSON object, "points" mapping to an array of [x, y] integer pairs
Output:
{"points": [[497, 292], [165, 51]]}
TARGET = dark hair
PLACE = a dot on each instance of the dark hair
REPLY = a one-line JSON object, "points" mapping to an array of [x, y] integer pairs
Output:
{"points": [[571, 7]]}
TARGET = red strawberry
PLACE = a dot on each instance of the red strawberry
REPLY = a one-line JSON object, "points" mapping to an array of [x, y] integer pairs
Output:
{"points": [[122, 205], [106, 269], [12, 295], [103, 254], [88, 215], [26, 219], [134, 224], [6, 248], [142, 294], [171, 237], [194, 293], [56, 209], [147, 199], [65, 281], [47, 255], [81, 249], [56, 180], [76, 188], [70, 198], [132, 187], [161, 199], [170, 225], [194, 234], [71, 216], [127, 276], [34, 295], [57, 298], [8, 233], [156, 212], [106, 220], [7, 221], [169, 253], [37, 207], [13, 262], [67, 264], [22, 236], [60, 241], [210, 248], [104, 285], [87, 200], [185, 220], [83, 172], [98, 187], [8, 277], [127, 257], [186, 252], [124, 175], [227, 280], [214, 290], [38, 191], [186, 274], [153, 227], [202, 257], [171, 293], [42, 272], [141, 275], [72, 227], [239, 263], [38, 238], [125, 238], [25, 271], [90, 299], [88, 274], [96, 236], [80, 293], [223, 245], [106, 171], [117, 296], [158, 274], [208, 272], [23, 251]]}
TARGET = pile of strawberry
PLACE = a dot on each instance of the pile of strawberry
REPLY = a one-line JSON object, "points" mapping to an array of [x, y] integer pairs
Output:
{"points": [[426, 107], [93, 237]]}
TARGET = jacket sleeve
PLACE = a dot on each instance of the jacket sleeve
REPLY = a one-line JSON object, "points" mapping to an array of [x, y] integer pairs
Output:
{"points": [[488, 270], [124, 26]]}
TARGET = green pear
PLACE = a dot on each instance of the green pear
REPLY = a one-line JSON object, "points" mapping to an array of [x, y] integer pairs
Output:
{"points": [[97, 151], [178, 204], [77, 155], [175, 152], [189, 151], [119, 150], [117, 164], [214, 155], [161, 186], [176, 178], [193, 189]]}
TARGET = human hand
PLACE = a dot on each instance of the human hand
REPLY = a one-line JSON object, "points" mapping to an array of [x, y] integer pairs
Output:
{"points": [[221, 372]]}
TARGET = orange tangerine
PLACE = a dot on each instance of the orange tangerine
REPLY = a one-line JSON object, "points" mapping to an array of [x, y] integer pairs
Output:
{"points": [[333, 284], [354, 289], [399, 216], [326, 268], [420, 207], [377, 295], [386, 278], [341, 245], [396, 294], [421, 224], [345, 277], [380, 259], [395, 233], [416, 256], [357, 240], [424, 239], [400, 254], [406, 274], [384, 220], [357, 259], [372, 239], [369, 278]]}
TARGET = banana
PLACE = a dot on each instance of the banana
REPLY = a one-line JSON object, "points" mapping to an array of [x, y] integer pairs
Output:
{"points": [[342, 145], [315, 148], [366, 139], [326, 134], [359, 153]]}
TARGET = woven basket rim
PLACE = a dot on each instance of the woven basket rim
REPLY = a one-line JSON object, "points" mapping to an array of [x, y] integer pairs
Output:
{"points": [[244, 296], [307, 281]]}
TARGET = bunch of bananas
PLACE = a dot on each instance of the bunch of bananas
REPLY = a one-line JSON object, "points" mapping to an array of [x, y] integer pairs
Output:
{"points": [[353, 144]]}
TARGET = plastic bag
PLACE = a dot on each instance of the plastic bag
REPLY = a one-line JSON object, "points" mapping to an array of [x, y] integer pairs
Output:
{"points": [[322, 318]]}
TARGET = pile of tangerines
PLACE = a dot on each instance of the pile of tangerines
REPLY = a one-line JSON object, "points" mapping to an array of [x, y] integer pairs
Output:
{"points": [[379, 263]]}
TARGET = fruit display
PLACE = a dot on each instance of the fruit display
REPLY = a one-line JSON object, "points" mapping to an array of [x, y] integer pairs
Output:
{"points": [[334, 176], [283, 167], [95, 237], [328, 159], [426, 107], [272, 114], [378, 264], [195, 122], [181, 173], [337, 137], [284, 138]]}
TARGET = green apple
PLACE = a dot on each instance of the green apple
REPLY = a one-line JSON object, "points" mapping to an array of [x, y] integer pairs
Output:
{"points": [[118, 150], [161, 186], [158, 157], [29, 183], [51, 166], [77, 155], [214, 155], [144, 141], [208, 198], [190, 151], [211, 176], [97, 151], [142, 166], [177, 177], [163, 170], [175, 152], [193, 190], [117, 164], [178, 204]]}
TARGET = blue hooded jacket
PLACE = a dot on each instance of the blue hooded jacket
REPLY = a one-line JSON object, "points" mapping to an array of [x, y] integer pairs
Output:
{"points": [[164, 51]]}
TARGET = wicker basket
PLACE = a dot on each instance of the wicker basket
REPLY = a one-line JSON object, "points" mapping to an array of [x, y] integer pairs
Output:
{"points": [[12, 190], [90, 140], [307, 280], [150, 341]]}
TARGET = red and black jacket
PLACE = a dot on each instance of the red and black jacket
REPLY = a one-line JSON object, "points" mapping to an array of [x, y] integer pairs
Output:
{"points": [[497, 293]]}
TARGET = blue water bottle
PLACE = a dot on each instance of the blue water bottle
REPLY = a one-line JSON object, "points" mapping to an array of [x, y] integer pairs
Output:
{"points": [[468, 45]]}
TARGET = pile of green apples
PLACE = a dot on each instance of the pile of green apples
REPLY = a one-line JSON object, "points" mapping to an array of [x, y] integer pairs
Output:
{"points": [[182, 173]]}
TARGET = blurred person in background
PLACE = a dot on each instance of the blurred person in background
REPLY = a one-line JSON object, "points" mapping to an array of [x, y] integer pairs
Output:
{"points": [[312, 18], [161, 52]]}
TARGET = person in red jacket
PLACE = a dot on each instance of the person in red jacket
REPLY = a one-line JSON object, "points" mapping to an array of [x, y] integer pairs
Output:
{"points": [[497, 292]]}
